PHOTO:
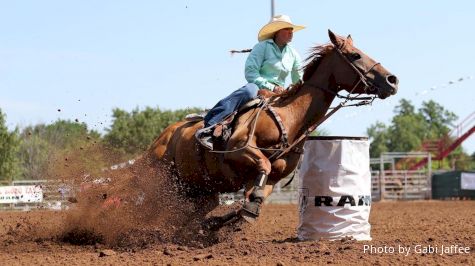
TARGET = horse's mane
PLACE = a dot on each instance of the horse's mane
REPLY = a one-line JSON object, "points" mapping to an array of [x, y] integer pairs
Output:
{"points": [[312, 62]]}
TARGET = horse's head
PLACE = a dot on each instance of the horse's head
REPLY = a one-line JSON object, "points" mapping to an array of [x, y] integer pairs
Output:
{"points": [[356, 72]]}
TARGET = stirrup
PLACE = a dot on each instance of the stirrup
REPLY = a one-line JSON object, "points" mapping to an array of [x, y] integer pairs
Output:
{"points": [[204, 137]]}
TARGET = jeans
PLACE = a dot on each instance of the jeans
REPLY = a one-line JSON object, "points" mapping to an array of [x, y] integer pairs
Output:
{"points": [[230, 104]]}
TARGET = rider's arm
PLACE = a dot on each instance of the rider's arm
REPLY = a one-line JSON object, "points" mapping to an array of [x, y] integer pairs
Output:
{"points": [[253, 66], [297, 72]]}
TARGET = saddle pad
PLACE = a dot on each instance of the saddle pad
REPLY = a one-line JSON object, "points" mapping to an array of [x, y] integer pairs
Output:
{"points": [[195, 116]]}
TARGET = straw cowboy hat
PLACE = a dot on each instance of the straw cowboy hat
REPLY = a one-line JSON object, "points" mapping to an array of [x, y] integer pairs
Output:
{"points": [[277, 23]]}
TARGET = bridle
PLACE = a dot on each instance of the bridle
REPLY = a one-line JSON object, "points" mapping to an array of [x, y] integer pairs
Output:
{"points": [[369, 86], [363, 78]]}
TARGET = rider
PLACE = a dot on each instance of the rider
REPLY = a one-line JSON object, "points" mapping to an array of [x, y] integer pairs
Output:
{"points": [[267, 66]]}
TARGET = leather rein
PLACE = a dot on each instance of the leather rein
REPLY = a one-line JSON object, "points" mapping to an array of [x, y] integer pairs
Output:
{"points": [[368, 87], [284, 147]]}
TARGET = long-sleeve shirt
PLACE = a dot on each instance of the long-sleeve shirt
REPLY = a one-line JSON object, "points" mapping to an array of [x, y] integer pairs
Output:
{"points": [[268, 66]]}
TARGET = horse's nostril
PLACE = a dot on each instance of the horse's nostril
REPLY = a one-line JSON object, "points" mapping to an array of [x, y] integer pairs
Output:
{"points": [[392, 79]]}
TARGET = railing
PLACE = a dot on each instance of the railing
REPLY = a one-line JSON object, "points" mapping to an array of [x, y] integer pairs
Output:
{"points": [[55, 195], [401, 185], [387, 185], [448, 143]]}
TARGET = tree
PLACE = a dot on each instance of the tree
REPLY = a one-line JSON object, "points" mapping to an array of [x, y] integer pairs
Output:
{"points": [[9, 168], [380, 139], [34, 154], [409, 128], [44, 148], [406, 132], [319, 132], [437, 119], [131, 133]]}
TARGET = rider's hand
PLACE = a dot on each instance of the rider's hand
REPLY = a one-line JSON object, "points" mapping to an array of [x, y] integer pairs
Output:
{"points": [[278, 89]]}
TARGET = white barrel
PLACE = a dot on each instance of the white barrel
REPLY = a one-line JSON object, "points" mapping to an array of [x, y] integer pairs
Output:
{"points": [[335, 189]]}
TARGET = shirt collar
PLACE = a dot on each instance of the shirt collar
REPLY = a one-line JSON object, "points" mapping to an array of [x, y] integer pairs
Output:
{"points": [[276, 46]]}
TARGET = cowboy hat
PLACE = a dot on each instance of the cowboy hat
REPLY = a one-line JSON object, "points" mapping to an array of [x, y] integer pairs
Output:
{"points": [[275, 24]]}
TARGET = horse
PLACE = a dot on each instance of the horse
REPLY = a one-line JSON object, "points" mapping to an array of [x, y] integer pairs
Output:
{"points": [[267, 142]]}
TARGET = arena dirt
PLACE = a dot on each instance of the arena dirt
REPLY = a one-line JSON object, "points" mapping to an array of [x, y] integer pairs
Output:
{"points": [[138, 217], [32, 238]]}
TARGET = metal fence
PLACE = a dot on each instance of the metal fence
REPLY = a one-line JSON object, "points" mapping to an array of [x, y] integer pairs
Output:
{"points": [[385, 185], [400, 185]]}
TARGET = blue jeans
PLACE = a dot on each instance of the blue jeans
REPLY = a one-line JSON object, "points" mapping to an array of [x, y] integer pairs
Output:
{"points": [[231, 103]]}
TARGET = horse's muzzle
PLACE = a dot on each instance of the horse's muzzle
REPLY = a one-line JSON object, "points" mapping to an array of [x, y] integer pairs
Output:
{"points": [[390, 87], [392, 81]]}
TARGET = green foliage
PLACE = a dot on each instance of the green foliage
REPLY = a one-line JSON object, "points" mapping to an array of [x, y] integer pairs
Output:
{"points": [[67, 148], [9, 167], [409, 129], [320, 132], [132, 133], [459, 160], [65, 134], [34, 154], [380, 138], [406, 132], [437, 119], [41, 146]]}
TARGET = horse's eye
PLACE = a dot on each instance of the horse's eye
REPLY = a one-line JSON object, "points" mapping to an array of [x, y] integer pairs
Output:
{"points": [[355, 56]]}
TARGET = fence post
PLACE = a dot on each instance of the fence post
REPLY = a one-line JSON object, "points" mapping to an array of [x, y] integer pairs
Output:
{"points": [[381, 177], [405, 184], [429, 175]]}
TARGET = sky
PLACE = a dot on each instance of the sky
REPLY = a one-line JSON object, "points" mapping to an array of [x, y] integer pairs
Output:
{"points": [[80, 59]]}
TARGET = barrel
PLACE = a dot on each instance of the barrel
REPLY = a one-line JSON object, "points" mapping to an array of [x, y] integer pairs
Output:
{"points": [[335, 189]]}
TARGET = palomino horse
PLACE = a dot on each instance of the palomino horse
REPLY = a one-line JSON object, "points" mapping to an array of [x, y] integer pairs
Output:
{"points": [[248, 160]]}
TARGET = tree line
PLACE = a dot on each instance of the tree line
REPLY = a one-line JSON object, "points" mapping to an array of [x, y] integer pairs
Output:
{"points": [[409, 129], [30, 152], [41, 150]]}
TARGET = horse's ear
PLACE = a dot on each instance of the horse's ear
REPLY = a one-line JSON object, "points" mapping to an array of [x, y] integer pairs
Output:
{"points": [[349, 40], [334, 39]]}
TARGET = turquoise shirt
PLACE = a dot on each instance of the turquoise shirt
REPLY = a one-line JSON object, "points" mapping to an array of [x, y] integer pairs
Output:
{"points": [[267, 66]]}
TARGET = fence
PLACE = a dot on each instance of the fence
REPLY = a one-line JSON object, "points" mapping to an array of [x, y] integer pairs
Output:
{"points": [[281, 195], [55, 195], [386, 185], [390, 185], [400, 185]]}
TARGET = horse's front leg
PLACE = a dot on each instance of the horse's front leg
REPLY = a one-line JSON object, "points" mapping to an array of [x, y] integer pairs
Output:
{"points": [[259, 192], [277, 166], [254, 162]]}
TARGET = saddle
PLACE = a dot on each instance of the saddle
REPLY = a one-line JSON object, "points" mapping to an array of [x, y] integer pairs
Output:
{"points": [[223, 130]]}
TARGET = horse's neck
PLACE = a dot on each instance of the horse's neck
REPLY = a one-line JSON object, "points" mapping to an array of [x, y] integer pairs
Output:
{"points": [[308, 106]]}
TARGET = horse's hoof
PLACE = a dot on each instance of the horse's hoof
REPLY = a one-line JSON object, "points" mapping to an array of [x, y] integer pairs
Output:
{"points": [[248, 216], [250, 211]]}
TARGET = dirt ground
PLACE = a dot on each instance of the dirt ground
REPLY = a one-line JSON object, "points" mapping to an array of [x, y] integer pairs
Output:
{"points": [[31, 238]]}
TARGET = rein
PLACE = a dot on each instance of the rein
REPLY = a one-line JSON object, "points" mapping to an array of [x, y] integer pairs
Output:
{"points": [[279, 152], [362, 101]]}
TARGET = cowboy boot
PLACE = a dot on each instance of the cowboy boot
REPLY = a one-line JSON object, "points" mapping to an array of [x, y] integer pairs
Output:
{"points": [[205, 137]]}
